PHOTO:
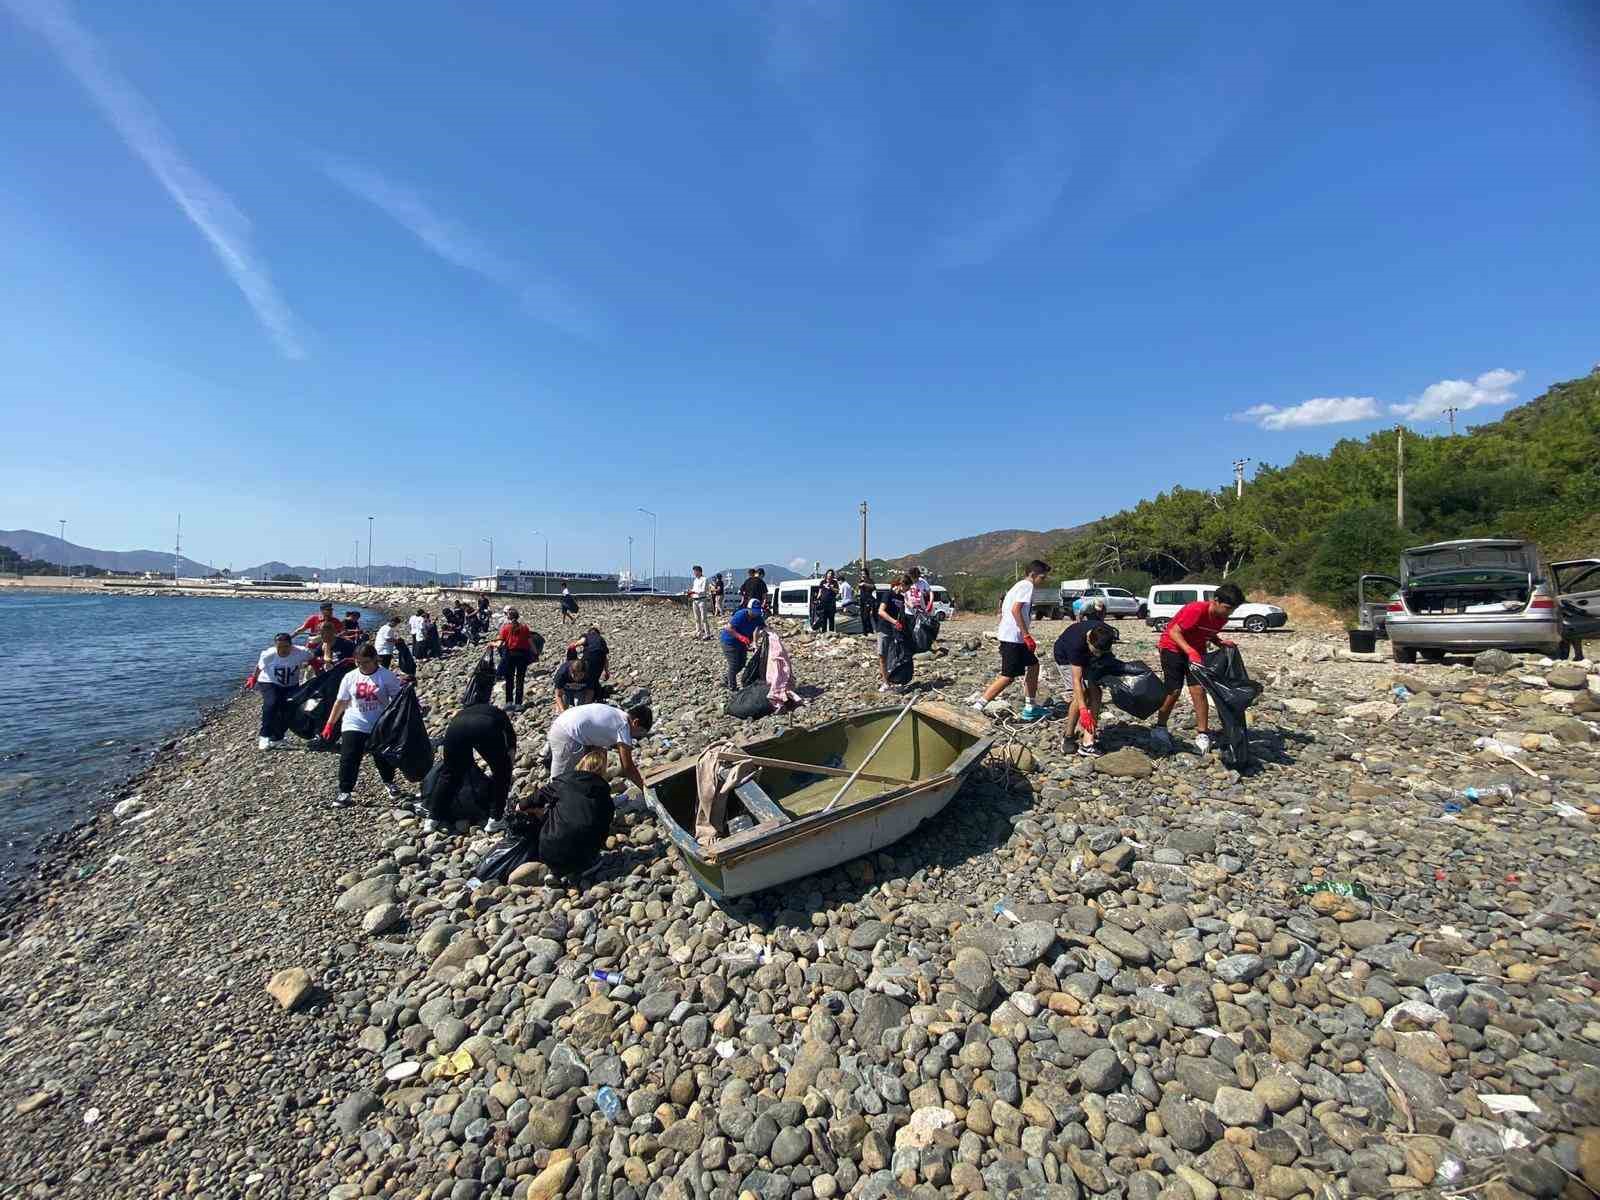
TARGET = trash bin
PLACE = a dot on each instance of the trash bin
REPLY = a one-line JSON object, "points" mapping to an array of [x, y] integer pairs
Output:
{"points": [[1363, 641]]}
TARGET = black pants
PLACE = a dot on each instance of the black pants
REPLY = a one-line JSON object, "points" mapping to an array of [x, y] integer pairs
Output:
{"points": [[488, 731], [868, 611], [736, 653], [516, 674], [386, 661], [272, 698], [824, 623], [352, 745]]}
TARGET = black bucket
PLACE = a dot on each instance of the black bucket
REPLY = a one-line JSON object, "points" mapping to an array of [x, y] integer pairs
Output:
{"points": [[1363, 641]]}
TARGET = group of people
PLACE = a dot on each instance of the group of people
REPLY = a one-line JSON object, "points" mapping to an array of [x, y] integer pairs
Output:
{"points": [[1182, 646], [584, 728]]}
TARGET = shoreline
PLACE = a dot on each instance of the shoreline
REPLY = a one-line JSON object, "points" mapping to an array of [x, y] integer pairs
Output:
{"points": [[873, 1031]]}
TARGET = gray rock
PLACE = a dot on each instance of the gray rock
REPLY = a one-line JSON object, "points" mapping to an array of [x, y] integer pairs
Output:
{"points": [[1123, 944], [975, 977], [1102, 1071], [354, 1109], [1028, 943], [878, 1014], [1240, 968], [1235, 1106], [1494, 662], [369, 893], [790, 1146]]}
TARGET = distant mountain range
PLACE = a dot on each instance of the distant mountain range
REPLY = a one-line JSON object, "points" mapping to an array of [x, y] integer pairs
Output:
{"points": [[997, 553], [775, 574]]}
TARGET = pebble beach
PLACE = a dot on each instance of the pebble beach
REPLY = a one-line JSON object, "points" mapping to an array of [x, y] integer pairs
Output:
{"points": [[1341, 973]]}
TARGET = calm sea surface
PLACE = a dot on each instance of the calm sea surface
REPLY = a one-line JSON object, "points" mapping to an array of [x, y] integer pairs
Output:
{"points": [[89, 683]]}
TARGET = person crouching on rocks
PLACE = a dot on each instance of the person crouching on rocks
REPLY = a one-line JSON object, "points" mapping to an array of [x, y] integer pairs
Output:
{"points": [[277, 674], [736, 637], [598, 727], [363, 695], [487, 731], [1075, 650], [573, 684]]}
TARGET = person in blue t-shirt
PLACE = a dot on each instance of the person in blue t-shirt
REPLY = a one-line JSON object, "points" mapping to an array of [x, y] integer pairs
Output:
{"points": [[737, 635]]}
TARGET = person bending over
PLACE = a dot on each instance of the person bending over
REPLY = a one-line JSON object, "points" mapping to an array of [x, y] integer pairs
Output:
{"points": [[487, 731], [1075, 650], [1182, 645], [598, 727], [736, 637]]}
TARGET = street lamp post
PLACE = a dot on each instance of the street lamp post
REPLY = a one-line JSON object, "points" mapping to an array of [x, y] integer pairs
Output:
{"points": [[369, 551], [435, 558], [653, 527], [630, 560], [66, 564], [490, 542], [460, 581], [544, 584]]}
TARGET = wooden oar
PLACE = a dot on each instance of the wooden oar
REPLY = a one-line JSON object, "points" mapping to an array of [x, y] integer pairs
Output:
{"points": [[856, 774], [801, 768]]}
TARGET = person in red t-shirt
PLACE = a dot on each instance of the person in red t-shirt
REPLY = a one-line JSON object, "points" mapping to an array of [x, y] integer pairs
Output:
{"points": [[516, 639], [315, 620], [1182, 643]]}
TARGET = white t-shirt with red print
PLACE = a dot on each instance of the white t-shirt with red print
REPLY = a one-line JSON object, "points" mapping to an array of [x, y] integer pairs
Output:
{"points": [[365, 697]]}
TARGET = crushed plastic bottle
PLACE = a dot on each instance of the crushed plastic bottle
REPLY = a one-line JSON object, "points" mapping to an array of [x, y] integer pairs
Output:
{"points": [[608, 977], [1338, 887], [1002, 908], [745, 954], [1402, 693], [1476, 794], [609, 1103]]}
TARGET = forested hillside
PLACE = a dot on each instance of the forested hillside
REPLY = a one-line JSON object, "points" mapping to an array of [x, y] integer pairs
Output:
{"points": [[1314, 525]]}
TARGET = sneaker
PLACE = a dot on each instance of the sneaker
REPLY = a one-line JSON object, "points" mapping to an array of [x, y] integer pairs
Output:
{"points": [[977, 705], [429, 825], [1089, 750], [886, 687], [1033, 712], [342, 800], [1202, 743], [394, 791], [493, 826], [264, 743]]}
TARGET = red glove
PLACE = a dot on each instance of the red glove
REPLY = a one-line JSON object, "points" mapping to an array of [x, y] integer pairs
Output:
{"points": [[899, 625], [1027, 640], [250, 680], [327, 732], [1194, 656], [1087, 721]]}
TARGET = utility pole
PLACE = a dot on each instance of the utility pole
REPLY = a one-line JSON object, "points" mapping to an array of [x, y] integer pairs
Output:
{"points": [[1238, 477], [653, 530], [460, 581], [1451, 413], [177, 549], [863, 539], [630, 560], [369, 551], [66, 564], [490, 542], [1400, 476]]}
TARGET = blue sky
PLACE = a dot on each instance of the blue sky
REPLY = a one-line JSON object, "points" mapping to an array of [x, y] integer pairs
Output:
{"points": [[489, 268]]}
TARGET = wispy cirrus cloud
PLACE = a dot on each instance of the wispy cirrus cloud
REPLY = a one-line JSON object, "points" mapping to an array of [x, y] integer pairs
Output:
{"points": [[224, 226], [1492, 387], [799, 564], [1322, 410], [541, 297]]}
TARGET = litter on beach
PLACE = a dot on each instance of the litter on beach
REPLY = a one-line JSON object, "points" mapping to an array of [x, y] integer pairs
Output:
{"points": [[1498, 1103]]}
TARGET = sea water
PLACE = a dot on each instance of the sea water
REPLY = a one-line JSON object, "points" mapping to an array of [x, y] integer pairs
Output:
{"points": [[90, 684]]}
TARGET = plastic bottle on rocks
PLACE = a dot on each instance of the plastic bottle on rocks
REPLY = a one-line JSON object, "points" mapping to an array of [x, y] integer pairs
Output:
{"points": [[1002, 908], [609, 977], [1401, 692], [1476, 794], [609, 1103]]}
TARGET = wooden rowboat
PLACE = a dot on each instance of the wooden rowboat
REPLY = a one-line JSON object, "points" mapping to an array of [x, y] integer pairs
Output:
{"points": [[803, 821]]}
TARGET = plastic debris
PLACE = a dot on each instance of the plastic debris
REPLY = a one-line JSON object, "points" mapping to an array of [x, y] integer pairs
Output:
{"points": [[1476, 794], [91, 1117], [1402, 693], [1570, 812], [602, 976], [609, 1103], [1209, 1031], [1338, 887], [1513, 1139], [744, 954], [1002, 908], [726, 1048], [1497, 1103]]}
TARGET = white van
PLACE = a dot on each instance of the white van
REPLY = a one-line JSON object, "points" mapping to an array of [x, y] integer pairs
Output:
{"points": [[1164, 602], [793, 599]]}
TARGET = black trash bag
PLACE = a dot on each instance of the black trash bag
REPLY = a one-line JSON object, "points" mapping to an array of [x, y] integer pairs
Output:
{"points": [[537, 639], [577, 818], [897, 661], [480, 687], [497, 865], [751, 702], [1232, 691], [404, 660], [400, 737], [1138, 693], [308, 705], [449, 800], [924, 632], [755, 668]]}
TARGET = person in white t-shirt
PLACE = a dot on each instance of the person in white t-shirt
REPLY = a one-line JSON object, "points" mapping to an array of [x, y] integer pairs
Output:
{"points": [[1018, 655], [697, 604], [418, 624], [277, 673], [919, 593], [585, 727], [384, 641], [363, 695]]}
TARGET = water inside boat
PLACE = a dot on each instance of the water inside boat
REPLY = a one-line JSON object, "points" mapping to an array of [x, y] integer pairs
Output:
{"points": [[922, 747]]}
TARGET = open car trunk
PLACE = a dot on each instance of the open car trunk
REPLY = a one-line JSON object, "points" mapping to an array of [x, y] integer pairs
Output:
{"points": [[1454, 593]]}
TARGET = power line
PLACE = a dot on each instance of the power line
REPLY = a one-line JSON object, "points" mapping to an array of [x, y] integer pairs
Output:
{"points": [[1238, 476]]}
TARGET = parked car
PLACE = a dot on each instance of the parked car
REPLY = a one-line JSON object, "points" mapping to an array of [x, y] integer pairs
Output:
{"points": [[1120, 602], [1163, 604], [790, 603], [1477, 594]]}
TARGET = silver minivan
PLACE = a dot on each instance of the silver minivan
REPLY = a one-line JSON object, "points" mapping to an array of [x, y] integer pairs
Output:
{"points": [[1489, 593]]}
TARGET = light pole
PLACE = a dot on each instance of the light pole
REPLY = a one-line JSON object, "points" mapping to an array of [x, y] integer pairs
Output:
{"points": [[490, 542], [369, 551], [459, 580], [435, 558], [630, 560], [66, 566], [544, 584], [653, 525]]}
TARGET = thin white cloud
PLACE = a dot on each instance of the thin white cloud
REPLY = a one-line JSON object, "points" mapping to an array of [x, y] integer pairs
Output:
{"points": [[799, 564], [1322, 410], [1492, 387], [542, 298], [210, 210]]}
